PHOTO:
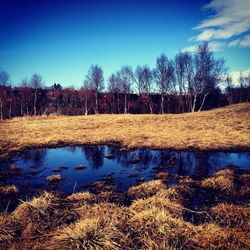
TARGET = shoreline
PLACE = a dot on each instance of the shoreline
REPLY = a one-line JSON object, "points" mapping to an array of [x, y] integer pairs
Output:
{"points": [[122, 148]]}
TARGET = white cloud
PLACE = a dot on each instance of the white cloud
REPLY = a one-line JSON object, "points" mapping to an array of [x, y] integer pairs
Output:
{"points": [[191, 49], [240, 42], [235, 76], [230, 18], [234, 43], [245, 42], [214, 46]]}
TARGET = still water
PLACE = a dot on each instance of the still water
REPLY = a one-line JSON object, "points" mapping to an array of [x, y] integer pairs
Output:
{"points": [[37, 164]]}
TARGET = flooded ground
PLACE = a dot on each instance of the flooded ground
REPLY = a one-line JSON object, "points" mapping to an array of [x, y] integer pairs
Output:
{"points": [[209, 210], [79, 166]]}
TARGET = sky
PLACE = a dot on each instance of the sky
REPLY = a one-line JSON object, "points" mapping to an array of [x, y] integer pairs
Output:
{"points": [[61, 39]]}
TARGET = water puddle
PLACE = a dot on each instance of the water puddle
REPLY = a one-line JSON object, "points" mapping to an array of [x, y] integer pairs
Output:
{"points": [[79, 166]]}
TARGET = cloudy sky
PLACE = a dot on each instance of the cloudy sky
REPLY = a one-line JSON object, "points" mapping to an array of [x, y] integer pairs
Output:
{"points": [[61, 39]]}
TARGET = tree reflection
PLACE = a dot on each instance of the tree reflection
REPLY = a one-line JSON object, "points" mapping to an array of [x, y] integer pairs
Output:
{"points": [[202, 166], [36, 157], [72, 148], [94, 155], [185, 163]]}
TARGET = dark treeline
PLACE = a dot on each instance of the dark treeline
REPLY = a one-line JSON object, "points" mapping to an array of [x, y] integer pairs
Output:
{"points": [[188, 83]]}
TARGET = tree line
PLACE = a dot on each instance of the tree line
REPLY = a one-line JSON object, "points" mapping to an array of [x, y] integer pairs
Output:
{"points": [[187, 83]]}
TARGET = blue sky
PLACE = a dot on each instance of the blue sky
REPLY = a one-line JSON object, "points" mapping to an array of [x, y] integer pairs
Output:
{"points": [[61, 39]]}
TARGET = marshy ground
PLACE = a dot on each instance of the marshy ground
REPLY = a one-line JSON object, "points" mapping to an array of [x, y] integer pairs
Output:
{"points": [[211, 213], [194, 213]]}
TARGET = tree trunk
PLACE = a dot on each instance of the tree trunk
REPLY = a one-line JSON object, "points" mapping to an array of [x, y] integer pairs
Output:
{"points": [[10, 109], [1, 109], [113, 103], [162, 104], [194, 103], [186, 103], [96, 102], [21, 109], [35, 99], [190, 103], [27, 108], [203, 101], [180, 102], [118, 103], [86, 105], [150, 104], [125, 104], [139, 100]]}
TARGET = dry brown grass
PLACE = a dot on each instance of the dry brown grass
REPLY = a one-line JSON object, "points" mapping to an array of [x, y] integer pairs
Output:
{"points": [[155, 220], [157, 202], [35, 209], [81, 198], [223, 129], [161, 175], [221, 180], [7, 229], [54, 178], [211, 236], [145, 189], [155, 229], [8, 190], [92, 234], [231, 215]]}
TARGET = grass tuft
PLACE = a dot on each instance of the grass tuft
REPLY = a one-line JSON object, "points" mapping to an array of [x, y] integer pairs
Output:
{"points": [[54, 178], [222, 180], [81, 198], [7, 229], [8, 190], [231, 215], [87, 233], [35, 210], [145, 189]]}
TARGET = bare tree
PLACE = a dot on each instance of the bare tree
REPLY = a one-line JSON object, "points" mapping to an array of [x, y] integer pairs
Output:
{"points": [[148, 85], [164, 76], [241, 82], [229, 88], [139, 79], [4, 80], [36, 83], [24, 96], [143, 79], [247, 83], [184, 76], [85, 93], [118, 90], [209, 72], [125, 77], [112, 86], [96, 82]]}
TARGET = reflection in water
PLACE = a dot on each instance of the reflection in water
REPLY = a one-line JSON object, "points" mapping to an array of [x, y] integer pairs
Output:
{"points": [[94, 155], [35, 156], [125, 174], [202, 165]]}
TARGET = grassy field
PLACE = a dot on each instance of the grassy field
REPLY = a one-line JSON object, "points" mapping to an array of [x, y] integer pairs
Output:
{"points": [[225, 128]]}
